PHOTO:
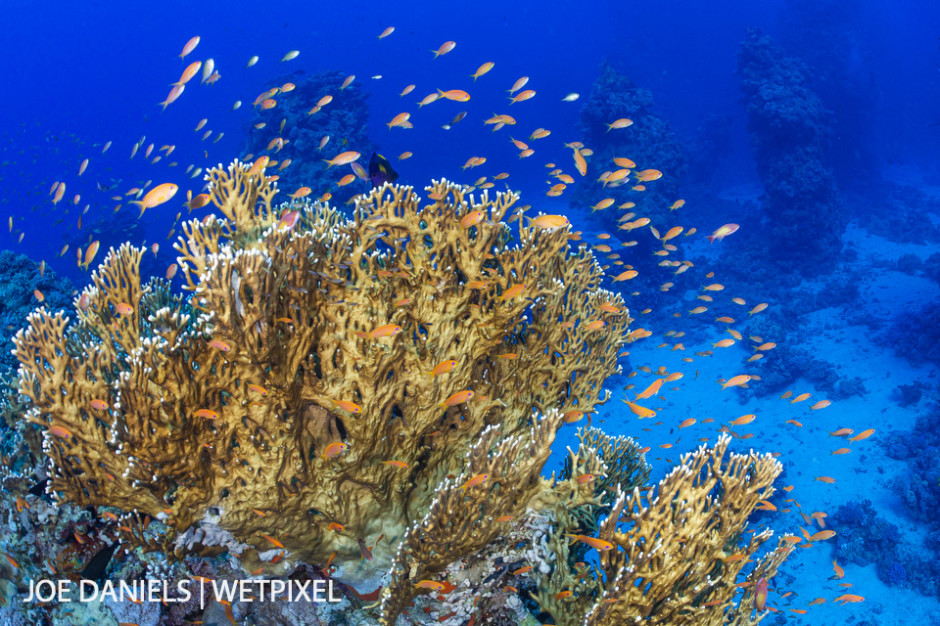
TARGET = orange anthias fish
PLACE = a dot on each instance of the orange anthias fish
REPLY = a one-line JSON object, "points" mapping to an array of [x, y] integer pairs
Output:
{"points": [[446, 47], [865, 434], [722, 232], [458, 398], [430, 584], [442, 368], [736, 381], [343, 158], [156, 196], [388, 330], [760, 595], [598, 544], [652, 390], [849, 597], [474, 481], [334, 450], [640, 411], [550, 222]]}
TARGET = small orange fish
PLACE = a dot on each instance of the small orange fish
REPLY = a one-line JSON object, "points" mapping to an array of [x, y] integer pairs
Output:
{"points": [[206, 413], [99, 405], [474, 481], [334, 450], [640, 411], [257, 389], [744, 419], [760, 595], [563, 594], [398, 464], [822, 535], [60, 431], [218, 344], [274, 542], [123, 308], [472, 218], [442, 368], [621, 123], [512, 292], [521, 570], [865, 434], [388, 330], [736, 381], [652, 390], [598, 544], [826, 479], [430, 584], [458, 398], [849, 598], [444, 48]]}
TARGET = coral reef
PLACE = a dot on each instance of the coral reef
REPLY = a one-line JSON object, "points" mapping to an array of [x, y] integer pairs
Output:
{"points": [[789, 131], [296, 386], [343, 122], [915, 334], [864, 537], [21, 279], [372, 399]]}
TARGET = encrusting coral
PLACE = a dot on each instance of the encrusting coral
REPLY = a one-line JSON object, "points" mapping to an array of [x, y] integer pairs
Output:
{"points": [[377, 396]]}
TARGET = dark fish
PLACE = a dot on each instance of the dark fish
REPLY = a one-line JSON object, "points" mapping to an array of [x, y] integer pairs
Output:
{"points": [[380, 171], [98, 566], [39, 488]]}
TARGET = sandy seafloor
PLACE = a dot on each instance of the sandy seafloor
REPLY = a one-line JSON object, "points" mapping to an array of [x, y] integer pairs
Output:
{"points": [[865, 473]]}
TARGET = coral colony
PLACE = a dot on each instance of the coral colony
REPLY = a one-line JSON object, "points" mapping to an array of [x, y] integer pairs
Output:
{"points": [[369, 402]]}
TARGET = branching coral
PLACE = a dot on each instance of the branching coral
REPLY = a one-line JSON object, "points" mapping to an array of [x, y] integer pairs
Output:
{"points": [[677, 561], [297, 393], [382, 393]]}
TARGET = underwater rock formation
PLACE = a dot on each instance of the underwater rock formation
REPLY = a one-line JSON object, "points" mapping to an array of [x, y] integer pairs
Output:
{"points": [[343, 121], [649, 141], [828, 35], [376, 397], [789, 132]]}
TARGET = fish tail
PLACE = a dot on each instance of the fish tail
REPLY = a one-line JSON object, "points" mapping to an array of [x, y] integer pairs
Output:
{"points": [[328, 161], [711, 239], [436, 53]]}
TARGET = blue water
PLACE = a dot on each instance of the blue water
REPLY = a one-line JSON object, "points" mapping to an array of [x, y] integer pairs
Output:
{"points": [[77, 75]]}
